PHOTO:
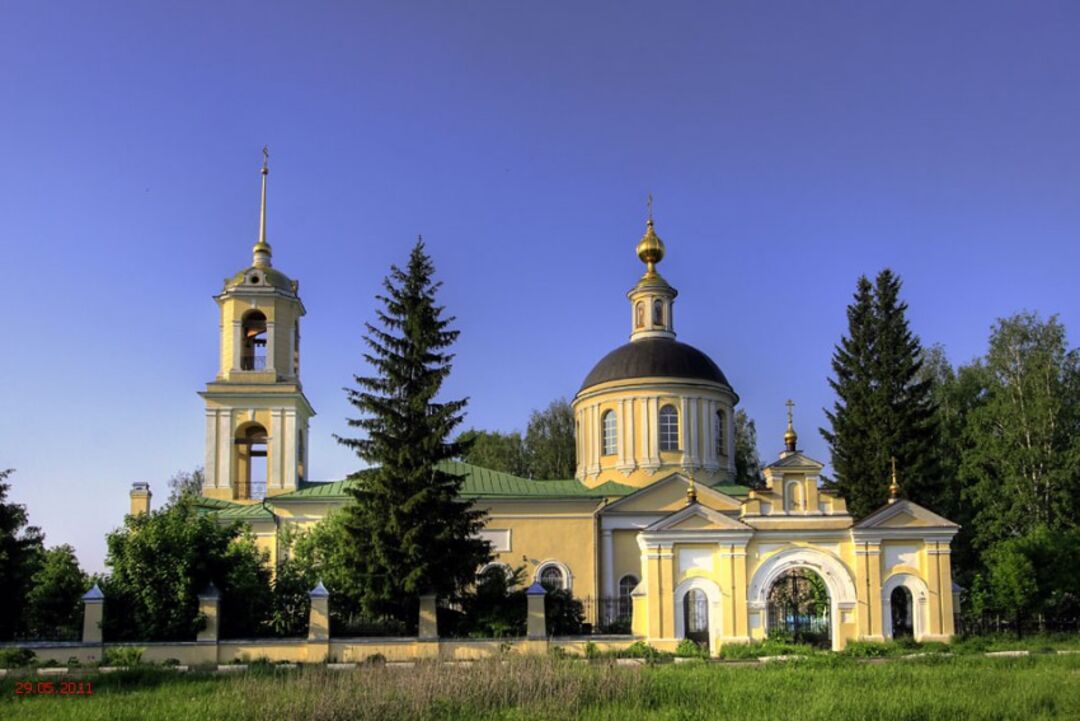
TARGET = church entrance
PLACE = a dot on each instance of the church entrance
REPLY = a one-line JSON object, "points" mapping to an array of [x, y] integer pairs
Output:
{"points": [[798, 608], [902, 624], [696, 616]]}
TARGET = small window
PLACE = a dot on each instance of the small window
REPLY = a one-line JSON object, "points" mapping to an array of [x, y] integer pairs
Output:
{"points": [[610, 440], [669, 428], [658, 313], [552, 578], [721, 438], [639, 315]]}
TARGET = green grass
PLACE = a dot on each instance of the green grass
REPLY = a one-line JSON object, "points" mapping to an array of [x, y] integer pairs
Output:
{"points": [[829, 687]]}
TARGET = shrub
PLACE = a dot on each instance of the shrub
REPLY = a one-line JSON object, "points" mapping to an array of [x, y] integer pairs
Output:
{"points": [[123, 656], [768, 647], [16, 657], [171, 663], [691, 649], [640, 649], [375, 659], [870, 649], [592, 651]]}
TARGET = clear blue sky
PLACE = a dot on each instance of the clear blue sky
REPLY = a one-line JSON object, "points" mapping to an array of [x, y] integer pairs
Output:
{"points": [[790, 146]]}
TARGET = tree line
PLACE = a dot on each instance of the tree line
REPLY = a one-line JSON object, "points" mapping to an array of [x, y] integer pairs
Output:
{"points": [[993, 444]]}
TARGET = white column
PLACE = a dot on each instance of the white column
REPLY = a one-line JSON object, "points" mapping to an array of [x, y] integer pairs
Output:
{"points": [[210, 476], [695, 433], [274, 449], [607, 558], [271, 345], [594, 437], [631, 457]]}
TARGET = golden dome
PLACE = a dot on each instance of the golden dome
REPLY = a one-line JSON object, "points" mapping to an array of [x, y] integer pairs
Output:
{"points": [[650, 248]]}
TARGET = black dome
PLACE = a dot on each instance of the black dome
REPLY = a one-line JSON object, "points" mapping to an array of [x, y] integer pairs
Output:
{"points": [[655, 357]]}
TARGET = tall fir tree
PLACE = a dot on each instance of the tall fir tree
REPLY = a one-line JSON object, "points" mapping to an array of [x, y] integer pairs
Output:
{"points": [[411, 533], [21, 553], [884, 407]]}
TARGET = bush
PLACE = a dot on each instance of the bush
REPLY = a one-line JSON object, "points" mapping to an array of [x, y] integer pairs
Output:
{"points": [[123, 656], [16, 657], [375, 659], [691, 649], [768, 647], [870, 649], [171, 663], [592, 651], [640, 649]]}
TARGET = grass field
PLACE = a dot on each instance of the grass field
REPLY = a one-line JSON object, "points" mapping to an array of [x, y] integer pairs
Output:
{"points": [[831, 688]]}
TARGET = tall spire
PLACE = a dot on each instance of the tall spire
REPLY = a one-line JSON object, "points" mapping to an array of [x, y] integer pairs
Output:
{"points": [[790, 436], [261, 251]]}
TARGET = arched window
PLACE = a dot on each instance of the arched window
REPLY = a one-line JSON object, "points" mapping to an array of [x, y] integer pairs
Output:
{"points": [[627, 584], [639, 315], [658, 312], [721, 439], [610, 439], [552, 578], [253, 347], [669, 428]]}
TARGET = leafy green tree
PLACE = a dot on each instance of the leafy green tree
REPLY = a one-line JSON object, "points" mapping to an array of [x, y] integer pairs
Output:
{"points": [[308, 556], [1022, 464], [747, 461], [498, 451], [185, 483], [159, 562], [410, 530], [54, 603], [21, 551], [883, 408], [549, 442]]}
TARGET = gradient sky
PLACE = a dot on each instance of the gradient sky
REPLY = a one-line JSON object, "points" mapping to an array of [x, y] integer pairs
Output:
{"points": [[790, 146]]}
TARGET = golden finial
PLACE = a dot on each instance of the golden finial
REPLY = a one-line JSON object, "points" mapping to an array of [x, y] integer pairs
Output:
{"points": [[650, 248], [691, 490], [790, 436], [894, 487], [261, 251]]}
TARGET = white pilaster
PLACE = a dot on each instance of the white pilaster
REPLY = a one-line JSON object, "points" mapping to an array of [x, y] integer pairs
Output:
{"points": [[653, 443], [275, 447], [238, 344], [289, 441], [684, 430], [225, 450], [594, 438], [271, 346], [210, 475], [607, 559]]}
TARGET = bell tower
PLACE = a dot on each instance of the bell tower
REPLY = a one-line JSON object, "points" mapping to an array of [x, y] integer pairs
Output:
{"points": [[256, 412]]}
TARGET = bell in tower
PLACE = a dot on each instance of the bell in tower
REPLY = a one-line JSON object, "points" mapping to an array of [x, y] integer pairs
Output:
{"points": [[256, 412]]}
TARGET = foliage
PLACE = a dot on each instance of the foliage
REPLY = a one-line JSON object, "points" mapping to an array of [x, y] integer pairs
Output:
{"points": [[883, 407], [691, 649], [747, 461], [769, 647], [1038, 573], [503, 452], [1023, 466], [565, 614], [308, 556], [185, 484], [21, 550], [494, 608], [640, 649], [549, 442], [54, 604], [16, 657], [124, 656], [161, 561], [410, 531]]}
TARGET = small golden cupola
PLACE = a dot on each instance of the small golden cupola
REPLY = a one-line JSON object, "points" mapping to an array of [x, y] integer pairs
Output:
{"points": [[651, 299]]}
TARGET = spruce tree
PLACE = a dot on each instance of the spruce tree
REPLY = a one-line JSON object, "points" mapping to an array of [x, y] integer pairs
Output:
{"points": [[411, 533], [883, 408]]}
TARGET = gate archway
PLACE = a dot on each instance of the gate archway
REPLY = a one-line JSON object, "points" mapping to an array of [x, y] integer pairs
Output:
{"points": [[799, 608]]}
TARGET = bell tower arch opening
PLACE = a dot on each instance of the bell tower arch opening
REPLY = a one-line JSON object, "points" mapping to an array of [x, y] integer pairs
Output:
{"points": [[253, 333], [251, 461]]}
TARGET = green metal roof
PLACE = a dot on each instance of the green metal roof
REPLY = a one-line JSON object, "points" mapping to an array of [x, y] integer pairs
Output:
{"points": [[479, 483], [230, 510]]}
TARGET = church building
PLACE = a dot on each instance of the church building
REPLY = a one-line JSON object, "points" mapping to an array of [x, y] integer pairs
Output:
{"points": [[652, 533]]}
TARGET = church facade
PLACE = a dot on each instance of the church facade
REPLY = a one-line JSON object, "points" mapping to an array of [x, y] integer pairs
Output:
{"points": [[652, 532]]}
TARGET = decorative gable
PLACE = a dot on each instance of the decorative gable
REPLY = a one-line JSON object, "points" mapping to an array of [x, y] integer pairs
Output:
{"points": [[669, 495], [697, 517], [905, 514]]}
